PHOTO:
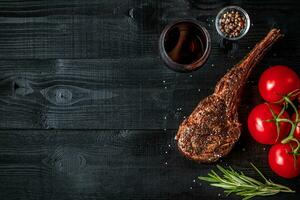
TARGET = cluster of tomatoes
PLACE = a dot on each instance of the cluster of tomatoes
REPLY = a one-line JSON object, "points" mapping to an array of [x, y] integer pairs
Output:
{"points": [[271, 123]]}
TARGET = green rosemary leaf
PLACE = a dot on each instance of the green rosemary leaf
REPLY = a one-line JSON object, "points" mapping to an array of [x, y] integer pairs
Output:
{"points": [[207, 179], [248, 197], [259, 172], [224, 186], [250, 180], [228, 192], [238, 183]]}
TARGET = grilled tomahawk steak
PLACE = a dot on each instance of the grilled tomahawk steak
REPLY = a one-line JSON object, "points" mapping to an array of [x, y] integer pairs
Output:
{"points": [[213, 128]]}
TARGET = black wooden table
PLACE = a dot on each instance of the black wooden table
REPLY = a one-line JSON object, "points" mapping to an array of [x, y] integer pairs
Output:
{"points": [[88, 111]]}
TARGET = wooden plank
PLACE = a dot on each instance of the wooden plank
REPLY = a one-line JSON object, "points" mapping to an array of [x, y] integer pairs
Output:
{"points": [[117, 164], [84, 93], [78, 29], [123, 93], [110, 29], [109, 94], [128, 88], [139, 93], [120, 84]]}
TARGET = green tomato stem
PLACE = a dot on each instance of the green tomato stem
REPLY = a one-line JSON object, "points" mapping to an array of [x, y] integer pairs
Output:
{"points": [[291, 137], [287, 99], [282, 110], [285, 120], [291, 134], [298, 146], [277, 120]]}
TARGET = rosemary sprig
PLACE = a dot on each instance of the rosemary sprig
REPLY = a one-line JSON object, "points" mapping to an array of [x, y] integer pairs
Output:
{"points": [[236, 182]]}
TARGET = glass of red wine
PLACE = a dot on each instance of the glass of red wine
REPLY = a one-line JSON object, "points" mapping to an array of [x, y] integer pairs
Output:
{"points": [[184, 45]]}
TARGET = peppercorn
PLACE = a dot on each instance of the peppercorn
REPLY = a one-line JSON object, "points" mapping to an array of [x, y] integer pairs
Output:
{"points": [[232, 23]]}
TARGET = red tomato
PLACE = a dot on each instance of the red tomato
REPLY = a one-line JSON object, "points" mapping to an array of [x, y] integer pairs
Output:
{"points": [[282, 162], [266, 132], [276, 82], [297, 131]]}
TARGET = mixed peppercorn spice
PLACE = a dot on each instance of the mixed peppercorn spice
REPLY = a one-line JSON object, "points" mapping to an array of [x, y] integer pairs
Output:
{"points": [[232, 23]]}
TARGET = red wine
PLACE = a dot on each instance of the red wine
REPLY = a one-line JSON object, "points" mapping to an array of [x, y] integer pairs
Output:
{"points": [[184, 43]]}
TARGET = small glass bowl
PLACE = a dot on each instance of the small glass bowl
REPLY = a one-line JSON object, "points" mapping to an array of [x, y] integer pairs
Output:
{"points": [[242, 12]]}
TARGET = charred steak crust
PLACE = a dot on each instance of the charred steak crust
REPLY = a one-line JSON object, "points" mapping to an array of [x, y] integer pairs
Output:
{"points": [[213, 128], [207, 135]]}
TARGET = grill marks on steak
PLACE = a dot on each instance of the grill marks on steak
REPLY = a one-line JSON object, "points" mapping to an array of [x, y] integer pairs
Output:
{"points": [[213, 128]]}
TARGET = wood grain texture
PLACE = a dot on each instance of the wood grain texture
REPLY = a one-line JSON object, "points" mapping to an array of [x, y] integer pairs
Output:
{"points": [[113, 29], [124, 93], [117, 164], [119, 94], [91, 71], [123, 86]]}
